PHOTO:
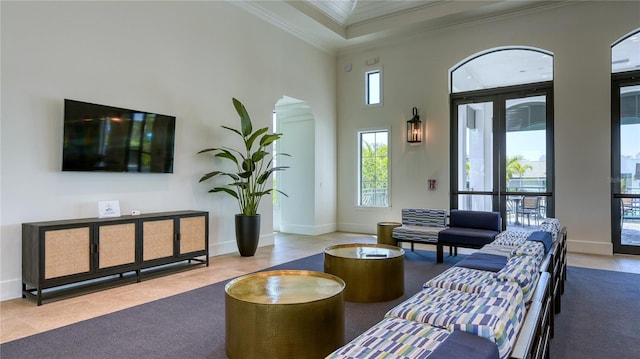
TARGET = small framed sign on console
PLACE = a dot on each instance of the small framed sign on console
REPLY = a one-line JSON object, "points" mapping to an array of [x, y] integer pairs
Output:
{"points": [[108, 209]]}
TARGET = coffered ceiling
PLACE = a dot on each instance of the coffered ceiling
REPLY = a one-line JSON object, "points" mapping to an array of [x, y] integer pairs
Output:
{"points": [[334, 25], [338, 25]]}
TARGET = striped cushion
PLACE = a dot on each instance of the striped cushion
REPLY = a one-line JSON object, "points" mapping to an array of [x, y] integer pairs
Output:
{"points": [[497, 249], [495, 313], [424, 217], [420, 225], [463, 279], [394, 338], [417, 233], [435, 306], [512, 237]]}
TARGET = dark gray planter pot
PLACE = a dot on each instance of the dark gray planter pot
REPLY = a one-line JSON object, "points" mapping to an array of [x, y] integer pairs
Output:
{"points": [[247, 234]]}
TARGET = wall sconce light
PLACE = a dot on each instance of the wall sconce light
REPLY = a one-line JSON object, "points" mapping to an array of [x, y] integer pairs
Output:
{"points": [[414, 128]]}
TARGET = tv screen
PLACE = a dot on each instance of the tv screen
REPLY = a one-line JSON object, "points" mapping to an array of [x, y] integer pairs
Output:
{"points": [[112, 139]]}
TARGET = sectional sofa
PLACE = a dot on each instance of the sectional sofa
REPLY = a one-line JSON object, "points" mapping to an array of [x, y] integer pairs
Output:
{"points": [[498, 302]]}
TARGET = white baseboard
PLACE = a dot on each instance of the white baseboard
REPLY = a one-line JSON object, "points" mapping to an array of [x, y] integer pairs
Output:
{"points": [[308, 230], [226, 247], [10, 289], [358, 228], [599, 248]]}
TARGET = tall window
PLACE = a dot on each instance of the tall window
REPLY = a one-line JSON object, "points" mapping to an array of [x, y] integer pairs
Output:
{"points": [[374, 168], [625, 144], [373, 86], [502, 135]]}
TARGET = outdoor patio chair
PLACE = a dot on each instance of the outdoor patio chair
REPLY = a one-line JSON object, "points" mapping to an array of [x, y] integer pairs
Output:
{"points": [[530, 207]]}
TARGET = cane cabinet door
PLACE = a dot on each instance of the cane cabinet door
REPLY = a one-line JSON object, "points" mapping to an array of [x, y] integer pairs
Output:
{"points": [[116, 244], [192, 234], [67, 252], [158, 239]]}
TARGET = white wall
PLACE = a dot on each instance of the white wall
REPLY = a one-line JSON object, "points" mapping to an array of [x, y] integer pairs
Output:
{"points": [[416, 74], [186, 59]]}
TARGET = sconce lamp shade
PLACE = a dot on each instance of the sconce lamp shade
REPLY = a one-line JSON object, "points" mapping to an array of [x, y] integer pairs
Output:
{"points": [[414, 128]]}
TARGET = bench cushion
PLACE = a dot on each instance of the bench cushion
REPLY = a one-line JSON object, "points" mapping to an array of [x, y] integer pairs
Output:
{"points": [[416, 234], [467, 237], [420, 225]]}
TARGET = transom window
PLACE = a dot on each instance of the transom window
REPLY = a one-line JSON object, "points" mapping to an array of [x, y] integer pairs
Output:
{"points": [[373, 86], [502, 67]]}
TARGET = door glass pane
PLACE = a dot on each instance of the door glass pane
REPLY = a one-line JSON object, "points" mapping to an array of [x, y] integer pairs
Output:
{"points": [[475, 141], [526, 147], [630, 164], [525, 160], [472, 202]]}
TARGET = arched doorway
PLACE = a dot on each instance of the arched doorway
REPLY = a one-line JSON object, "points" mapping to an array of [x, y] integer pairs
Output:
{"points": [[502, 134], [294, 119], [625, 144]]}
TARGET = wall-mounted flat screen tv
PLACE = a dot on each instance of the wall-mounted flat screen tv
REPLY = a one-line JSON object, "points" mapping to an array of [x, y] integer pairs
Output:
{"points": [[112, 139]]}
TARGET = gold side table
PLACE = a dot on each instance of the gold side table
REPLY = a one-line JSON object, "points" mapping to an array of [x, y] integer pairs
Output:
{"points": [[284, 314], [385, 232], [372, 272]]}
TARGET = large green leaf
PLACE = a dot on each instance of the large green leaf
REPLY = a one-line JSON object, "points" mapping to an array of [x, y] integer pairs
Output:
{"points": [[225, 190], [232, 129], [258, 156], [209, 175], [265, 175], [267, 139], [246, 174], [228, 155], [245, 120], [252, 138], [249, 165]]}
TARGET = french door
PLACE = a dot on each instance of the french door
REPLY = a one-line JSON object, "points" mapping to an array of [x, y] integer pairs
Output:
{"points": [[625, 163], [502, 153]]}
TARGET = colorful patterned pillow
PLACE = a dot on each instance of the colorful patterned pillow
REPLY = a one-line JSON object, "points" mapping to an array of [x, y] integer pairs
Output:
{"points": [[551, 225]]}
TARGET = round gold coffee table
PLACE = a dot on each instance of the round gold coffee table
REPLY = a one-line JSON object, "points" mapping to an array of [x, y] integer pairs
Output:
{"points": [[284, 314], [372, 272]]}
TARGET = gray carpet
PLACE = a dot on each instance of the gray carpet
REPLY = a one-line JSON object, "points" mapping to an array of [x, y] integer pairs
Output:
{"points": [[600, 316], [599, 319]]}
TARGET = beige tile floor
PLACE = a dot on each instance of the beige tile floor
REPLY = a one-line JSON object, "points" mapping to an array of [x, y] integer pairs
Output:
{"points": [[21, 317]]}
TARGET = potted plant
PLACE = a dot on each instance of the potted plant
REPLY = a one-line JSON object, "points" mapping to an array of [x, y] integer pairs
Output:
{"points": [[248, 185]]}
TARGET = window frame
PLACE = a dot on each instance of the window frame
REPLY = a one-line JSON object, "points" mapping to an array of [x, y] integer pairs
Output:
{"points": [[359, 194]]}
